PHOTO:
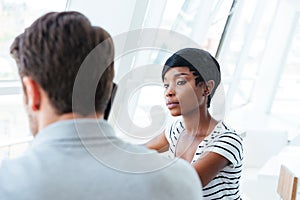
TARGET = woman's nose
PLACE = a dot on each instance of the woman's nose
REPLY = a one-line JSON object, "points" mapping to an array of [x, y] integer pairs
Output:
{"points": [[169, 92]]}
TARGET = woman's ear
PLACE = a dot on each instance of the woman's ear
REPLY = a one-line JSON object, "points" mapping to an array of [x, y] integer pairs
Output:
{"points": [[32, 93], [209, 87]]}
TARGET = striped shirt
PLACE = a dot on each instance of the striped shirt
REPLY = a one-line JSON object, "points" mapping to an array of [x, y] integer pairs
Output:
{"points": [[224, 141]]}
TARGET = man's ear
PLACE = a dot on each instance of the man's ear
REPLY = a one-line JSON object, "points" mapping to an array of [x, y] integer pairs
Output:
{"points": [[32, 92]]}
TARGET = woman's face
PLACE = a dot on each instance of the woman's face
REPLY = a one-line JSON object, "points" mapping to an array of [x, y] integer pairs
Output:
{"points": [[181, 93]]}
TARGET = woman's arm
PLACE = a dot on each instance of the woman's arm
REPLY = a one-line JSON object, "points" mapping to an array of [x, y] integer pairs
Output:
{"points": [[209, 165], [158, 143]]}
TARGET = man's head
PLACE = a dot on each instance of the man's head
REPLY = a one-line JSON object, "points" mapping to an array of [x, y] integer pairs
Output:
{"points": [[49, 55], [204, 67]]}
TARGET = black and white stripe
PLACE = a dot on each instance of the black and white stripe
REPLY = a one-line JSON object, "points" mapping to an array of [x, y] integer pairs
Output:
{"points": [[226, 142]]}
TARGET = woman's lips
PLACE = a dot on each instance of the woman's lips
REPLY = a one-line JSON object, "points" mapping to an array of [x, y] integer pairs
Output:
{"points": [[172, 105]]}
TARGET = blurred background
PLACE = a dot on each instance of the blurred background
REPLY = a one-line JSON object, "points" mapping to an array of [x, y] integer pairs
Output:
{"points": [[257, 44]]}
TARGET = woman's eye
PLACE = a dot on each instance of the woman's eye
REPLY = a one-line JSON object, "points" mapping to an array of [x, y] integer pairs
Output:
{"points": [[181, 82], [166, 85]]}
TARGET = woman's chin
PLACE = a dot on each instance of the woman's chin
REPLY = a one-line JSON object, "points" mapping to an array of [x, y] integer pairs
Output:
{"points": [[175, 113]]}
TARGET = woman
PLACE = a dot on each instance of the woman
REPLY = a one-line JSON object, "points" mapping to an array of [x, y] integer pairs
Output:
{"points": [[190, 78]]}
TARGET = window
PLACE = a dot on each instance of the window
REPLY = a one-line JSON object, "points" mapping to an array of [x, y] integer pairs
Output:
{"points": [[287, 98], [201, 21], [244, 48], [15, 16]]}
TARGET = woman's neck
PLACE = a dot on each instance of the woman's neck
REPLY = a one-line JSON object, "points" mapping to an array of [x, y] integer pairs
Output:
{"points": [[199, 123]]}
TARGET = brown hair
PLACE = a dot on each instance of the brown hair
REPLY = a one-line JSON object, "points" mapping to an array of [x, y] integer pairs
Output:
{"points": [[51, 52]]}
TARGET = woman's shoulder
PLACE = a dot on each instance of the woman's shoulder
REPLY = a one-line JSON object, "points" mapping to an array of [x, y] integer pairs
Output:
{"points": [[228, 143], [174, 128], [224, 128], [224, 132], [175, 123]]}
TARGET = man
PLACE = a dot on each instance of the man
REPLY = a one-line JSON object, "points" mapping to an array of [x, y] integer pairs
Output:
{"points": [[66, 70]]}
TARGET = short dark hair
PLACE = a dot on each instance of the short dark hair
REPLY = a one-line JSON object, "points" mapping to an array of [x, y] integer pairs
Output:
{"points": [[51, 52], [203, 65]]}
